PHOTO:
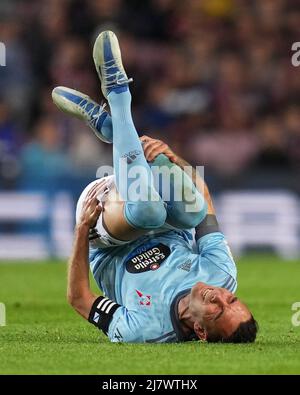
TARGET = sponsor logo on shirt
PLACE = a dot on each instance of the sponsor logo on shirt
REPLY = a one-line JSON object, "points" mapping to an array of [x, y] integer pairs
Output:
{"points": [[148, 259]]}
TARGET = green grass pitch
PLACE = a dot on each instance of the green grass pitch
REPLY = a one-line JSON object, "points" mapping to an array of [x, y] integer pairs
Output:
{"points": [[44, 336]]}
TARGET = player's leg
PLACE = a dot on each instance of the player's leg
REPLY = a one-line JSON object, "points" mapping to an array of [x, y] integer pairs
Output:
{"points": [[145, 210], [182, 213], [186, 206], [99, 236], [83, 107], [112, 220], [130, 219]]}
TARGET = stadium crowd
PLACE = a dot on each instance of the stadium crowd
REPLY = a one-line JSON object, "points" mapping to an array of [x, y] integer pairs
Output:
{"points": [[213, 78]]}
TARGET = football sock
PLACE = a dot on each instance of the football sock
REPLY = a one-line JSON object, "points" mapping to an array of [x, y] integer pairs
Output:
{"points": [[143, 207]]}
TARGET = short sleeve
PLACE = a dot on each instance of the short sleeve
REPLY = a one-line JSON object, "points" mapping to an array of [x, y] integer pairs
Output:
{"points": [[127, 326], [215, 252]]}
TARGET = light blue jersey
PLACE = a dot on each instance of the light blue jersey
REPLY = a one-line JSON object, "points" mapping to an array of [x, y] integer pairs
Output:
{"points": [[148, 277]]}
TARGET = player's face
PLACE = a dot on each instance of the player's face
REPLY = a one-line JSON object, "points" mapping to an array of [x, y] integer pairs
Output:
{"points": [[216, 311]]}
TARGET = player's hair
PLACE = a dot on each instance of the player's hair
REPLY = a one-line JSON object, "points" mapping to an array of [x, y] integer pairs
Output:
{"points": [[245, 333]]}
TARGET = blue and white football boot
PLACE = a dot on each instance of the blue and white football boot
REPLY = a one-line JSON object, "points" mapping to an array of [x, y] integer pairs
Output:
{"points": [[108, 62], [83, 107]]}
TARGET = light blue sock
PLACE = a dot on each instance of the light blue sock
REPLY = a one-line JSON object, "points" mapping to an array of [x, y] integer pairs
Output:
{"points": [[149, 211]]}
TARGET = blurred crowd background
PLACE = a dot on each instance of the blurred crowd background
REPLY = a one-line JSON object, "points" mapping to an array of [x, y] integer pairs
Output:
{"points": [[213, 78]]}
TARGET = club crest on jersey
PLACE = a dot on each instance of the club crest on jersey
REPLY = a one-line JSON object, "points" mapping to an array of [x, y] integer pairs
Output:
{"points": [[147, 259], [144, 300]]}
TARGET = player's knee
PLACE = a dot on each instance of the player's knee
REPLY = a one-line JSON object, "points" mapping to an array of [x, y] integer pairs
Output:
{"points": [[192, 219], [145, 215], [183, 216]]}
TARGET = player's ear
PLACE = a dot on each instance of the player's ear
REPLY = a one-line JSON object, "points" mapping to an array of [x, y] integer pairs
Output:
{"points": [[200, 332]]}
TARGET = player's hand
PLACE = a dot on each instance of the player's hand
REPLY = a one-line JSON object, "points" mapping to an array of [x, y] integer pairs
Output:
{"points": [[92, 208], [152, 148]]}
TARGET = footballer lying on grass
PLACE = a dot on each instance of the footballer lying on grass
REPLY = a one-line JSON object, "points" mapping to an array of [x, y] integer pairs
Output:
{"points": [[157, 287]]}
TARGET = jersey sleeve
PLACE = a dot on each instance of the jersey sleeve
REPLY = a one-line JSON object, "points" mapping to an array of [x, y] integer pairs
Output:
{"points": [[117, 322], [127, 326], [215, 253]]}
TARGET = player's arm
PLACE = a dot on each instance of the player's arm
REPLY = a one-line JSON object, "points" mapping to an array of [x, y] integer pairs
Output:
{"points": [[97, 309], [119, 324], [211, 242], [79, 293]]}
